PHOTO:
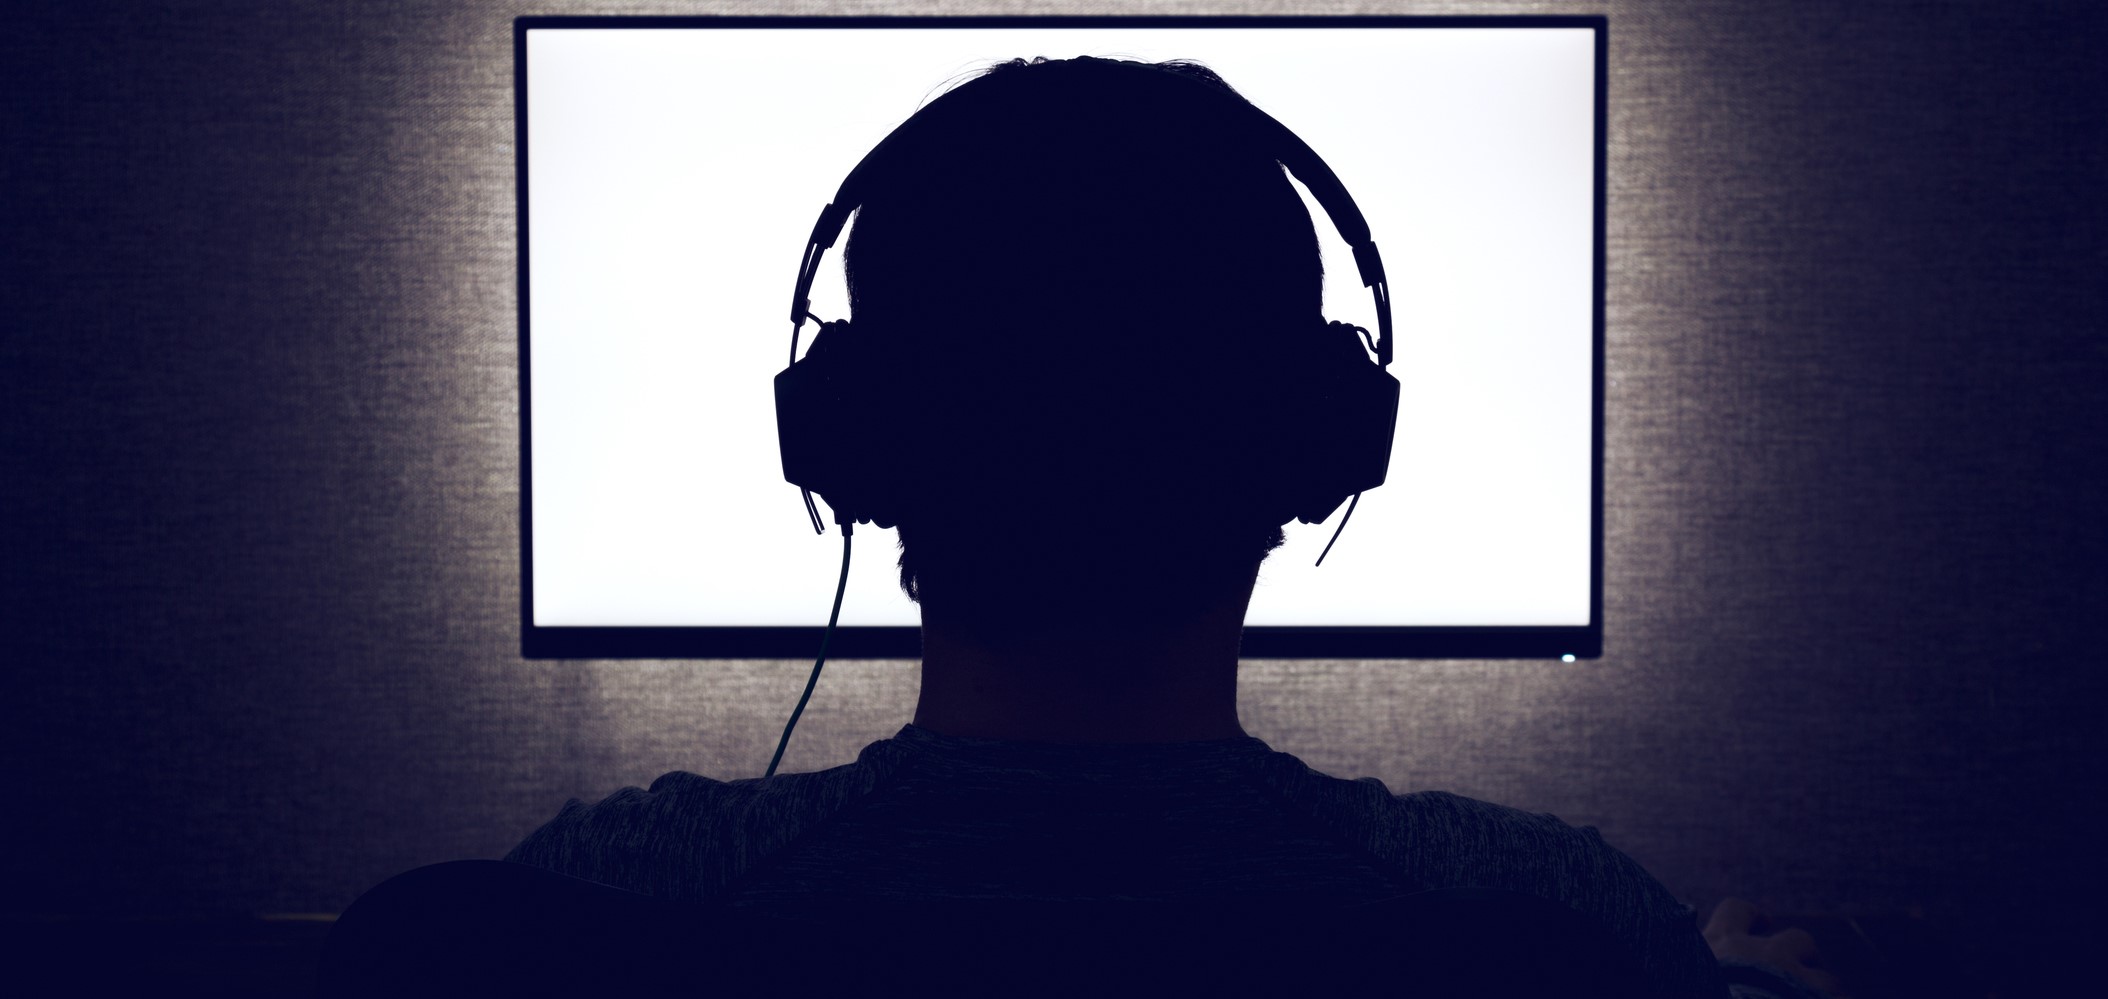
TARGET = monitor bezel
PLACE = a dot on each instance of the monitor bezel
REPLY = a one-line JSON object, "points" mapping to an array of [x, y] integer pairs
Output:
{"points": [[897, 642]]}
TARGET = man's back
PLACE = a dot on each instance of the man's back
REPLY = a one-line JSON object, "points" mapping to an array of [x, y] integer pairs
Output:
{"points": [[926, 817]]}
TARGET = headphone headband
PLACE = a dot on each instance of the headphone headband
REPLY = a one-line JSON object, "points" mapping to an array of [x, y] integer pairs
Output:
{"points": [[1287, 148]]}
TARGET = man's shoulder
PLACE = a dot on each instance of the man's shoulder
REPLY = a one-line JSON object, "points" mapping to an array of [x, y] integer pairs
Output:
{"points": [[1499, 828], [687, 835], [1444, 840], [1439, 840], [1538, 846]]}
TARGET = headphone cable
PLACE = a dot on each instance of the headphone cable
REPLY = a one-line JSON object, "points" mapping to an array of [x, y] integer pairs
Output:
{"points": [[1356, 501], [814, 679]]}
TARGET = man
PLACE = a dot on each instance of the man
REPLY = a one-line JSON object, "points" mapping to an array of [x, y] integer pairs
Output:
{"points": [[1092, 298]]}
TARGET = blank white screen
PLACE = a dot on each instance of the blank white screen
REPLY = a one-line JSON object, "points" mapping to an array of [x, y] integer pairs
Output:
{"points": [[675, 174]]}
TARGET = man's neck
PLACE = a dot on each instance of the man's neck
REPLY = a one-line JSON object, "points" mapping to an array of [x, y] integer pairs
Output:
{"points": [[1174, 684]]}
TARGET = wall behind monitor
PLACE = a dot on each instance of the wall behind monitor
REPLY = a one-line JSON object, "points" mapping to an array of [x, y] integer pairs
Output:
{"points": [[260, 479]]}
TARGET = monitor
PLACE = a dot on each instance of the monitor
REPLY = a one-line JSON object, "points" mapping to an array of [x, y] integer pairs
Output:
{"points": [[669, 172]]}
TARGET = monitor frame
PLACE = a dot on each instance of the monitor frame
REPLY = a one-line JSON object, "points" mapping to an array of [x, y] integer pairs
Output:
{"points": [[895, 642]]}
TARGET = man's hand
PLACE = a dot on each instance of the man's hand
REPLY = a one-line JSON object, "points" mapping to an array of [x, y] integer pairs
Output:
{"points": [[1737, 931]]}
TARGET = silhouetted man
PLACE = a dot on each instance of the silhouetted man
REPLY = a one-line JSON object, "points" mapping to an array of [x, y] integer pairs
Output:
{"points": [[1093, 298]]}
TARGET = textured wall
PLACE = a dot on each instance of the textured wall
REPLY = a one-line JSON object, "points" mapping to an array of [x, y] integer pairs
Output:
{"points": [[261, 485]]}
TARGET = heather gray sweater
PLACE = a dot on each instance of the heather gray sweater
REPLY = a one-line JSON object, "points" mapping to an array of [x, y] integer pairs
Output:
{"points": [[928, 816]]}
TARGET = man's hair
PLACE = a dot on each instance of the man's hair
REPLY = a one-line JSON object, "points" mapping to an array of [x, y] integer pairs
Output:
{"points": [[1099, 286]]}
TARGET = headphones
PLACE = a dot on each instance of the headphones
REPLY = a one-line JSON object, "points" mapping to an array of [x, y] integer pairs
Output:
{"points": [[1345, 421]]}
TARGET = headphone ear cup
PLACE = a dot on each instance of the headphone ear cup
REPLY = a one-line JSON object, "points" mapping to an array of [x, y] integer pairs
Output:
{"points": [[827, 406], [1343, 440]]}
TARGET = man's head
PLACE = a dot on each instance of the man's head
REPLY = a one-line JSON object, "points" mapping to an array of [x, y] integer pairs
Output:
{"points": [[1101, 292]]}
